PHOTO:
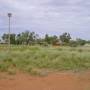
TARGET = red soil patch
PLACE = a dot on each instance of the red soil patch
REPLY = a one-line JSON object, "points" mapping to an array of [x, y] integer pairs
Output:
{"points": [[57, 81]]}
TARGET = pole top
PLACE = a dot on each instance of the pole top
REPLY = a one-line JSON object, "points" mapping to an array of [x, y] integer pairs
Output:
{"points": [[9, 14]]}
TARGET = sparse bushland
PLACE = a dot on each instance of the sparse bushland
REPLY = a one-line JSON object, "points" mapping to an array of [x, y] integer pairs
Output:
{"points": [[35, 59], [31, 38]]}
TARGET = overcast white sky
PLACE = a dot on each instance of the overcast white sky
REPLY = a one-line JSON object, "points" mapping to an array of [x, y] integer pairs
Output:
{"points": [[47, 16]]}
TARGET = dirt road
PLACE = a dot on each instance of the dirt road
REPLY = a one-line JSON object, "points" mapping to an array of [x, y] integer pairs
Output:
{"points": [[56, 81]]}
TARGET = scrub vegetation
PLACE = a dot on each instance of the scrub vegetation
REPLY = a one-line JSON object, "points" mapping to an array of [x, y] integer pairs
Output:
{"points": [[35, 59]]}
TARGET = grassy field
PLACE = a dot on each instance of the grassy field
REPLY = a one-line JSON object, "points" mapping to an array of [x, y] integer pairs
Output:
{"points": [[34, 59]]}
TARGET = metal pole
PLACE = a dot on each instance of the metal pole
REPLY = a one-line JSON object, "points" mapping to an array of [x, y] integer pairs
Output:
{"points": [[9, 15], [9, 34]]}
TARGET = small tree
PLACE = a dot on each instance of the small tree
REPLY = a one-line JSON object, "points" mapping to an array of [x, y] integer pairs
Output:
{"points": [[73, 43], [80, 41], [51, 39], [5, 37], [65, 38], [12, 38]]}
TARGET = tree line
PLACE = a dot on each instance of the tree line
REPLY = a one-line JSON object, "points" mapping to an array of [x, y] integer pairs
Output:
{"points": [[31, 38]]}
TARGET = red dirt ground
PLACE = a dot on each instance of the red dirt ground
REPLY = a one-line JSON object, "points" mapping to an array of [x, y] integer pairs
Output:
{"points": [[56, 81]]}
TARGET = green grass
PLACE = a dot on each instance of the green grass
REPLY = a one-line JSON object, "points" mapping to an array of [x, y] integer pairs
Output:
{"points": [[35, 58]]}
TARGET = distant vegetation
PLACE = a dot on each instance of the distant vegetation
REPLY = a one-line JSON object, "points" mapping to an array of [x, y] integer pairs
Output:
{"points": [[31, 38]]}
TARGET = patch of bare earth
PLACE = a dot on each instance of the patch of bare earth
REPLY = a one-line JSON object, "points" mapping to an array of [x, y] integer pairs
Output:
{"points": [[54, 81]]}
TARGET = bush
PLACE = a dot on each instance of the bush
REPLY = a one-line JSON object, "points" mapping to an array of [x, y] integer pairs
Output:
{"points": [[73, 44]]}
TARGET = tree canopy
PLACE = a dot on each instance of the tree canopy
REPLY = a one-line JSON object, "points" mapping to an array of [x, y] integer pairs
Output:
{"points": [[31, 38]]}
